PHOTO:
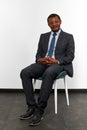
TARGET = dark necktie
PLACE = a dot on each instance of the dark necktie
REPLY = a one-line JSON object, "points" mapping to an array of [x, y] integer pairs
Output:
{"points": [[50, 52]]}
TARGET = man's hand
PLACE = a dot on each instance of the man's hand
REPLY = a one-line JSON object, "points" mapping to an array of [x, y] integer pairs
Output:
{"points": [[48, 60], [52, 61]]}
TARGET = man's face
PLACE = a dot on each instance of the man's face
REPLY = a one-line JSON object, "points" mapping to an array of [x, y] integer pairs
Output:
{"points": [[54, 23]]}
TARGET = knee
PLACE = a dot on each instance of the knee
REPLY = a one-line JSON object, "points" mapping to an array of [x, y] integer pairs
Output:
{"points": [[23, 73]]}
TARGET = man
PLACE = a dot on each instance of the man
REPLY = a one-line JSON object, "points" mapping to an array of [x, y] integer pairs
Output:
{"points": [[55, 53]]}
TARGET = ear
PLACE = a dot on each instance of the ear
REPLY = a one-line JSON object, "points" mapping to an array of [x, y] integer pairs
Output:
{"points": [[60, 21], [48, 24]]}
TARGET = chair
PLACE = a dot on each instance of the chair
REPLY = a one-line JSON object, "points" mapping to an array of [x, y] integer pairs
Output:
{"points": [[62, 75]]}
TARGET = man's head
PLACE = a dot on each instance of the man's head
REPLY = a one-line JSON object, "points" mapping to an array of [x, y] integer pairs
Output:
{"points": [[54, 22]]}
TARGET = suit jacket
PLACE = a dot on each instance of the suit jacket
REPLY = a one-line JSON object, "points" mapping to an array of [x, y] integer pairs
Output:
{"points": [[64, 51]]}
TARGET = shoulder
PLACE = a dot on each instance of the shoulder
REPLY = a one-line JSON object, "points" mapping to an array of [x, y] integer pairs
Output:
{"points": [[66, 34], [46, 34]]}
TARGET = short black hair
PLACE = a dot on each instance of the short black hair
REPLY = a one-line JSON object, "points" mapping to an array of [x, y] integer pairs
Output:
{"points": [[53, 15]]}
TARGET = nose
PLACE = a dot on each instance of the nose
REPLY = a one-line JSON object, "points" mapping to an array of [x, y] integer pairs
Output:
{"points": [[54, 23]]}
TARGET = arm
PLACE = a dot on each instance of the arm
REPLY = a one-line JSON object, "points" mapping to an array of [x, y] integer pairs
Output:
{"points": [[69, 53], [39, 50]]}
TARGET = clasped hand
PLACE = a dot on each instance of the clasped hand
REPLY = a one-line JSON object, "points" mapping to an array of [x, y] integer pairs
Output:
{"points": [[48, 60]]}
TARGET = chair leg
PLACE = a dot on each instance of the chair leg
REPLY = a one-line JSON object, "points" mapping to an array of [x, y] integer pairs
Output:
{"points": [[66, 90], [55, 96], [34, 84]]}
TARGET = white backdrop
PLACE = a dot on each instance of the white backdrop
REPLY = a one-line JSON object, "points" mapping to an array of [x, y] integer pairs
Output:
{"points": [[22, 22]]}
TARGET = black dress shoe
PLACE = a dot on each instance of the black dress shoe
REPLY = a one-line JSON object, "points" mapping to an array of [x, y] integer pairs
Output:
{"points": [[36, 119], [28, 114]]}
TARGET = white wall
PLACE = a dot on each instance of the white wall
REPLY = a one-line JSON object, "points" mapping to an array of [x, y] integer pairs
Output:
{"points": [[22, 22]]}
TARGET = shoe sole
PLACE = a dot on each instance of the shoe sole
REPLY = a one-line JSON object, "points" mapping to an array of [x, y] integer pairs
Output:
{"points": [[35, 124], [21, 118]]}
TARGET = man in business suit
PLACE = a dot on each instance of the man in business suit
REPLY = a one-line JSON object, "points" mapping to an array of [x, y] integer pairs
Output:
{"points": [[48, 66]]}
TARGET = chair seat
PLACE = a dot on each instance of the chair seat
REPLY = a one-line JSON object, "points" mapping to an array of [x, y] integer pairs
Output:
{"points": [[60, 75]]}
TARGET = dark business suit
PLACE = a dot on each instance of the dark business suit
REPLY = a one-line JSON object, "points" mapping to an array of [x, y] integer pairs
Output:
{"points": [[64, 52]]}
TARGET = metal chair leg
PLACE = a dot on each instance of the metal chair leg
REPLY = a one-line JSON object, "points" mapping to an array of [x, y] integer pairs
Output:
{"points": [[66, 90], [55, 96]]}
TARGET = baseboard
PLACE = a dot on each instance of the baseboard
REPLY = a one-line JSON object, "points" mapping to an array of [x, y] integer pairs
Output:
{"points": [[11, 90], [37, 90]]}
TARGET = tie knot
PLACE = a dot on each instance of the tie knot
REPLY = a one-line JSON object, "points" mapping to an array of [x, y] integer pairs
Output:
{"points": [[54, 34]]}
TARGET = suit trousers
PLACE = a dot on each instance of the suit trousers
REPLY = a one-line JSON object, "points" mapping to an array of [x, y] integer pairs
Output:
{"points": [[48, 73]]}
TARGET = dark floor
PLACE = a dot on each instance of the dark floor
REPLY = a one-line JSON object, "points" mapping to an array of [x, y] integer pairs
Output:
{"points": [[74, 117]]}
